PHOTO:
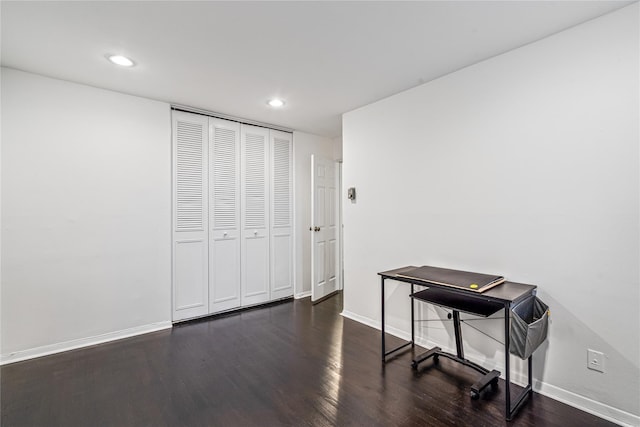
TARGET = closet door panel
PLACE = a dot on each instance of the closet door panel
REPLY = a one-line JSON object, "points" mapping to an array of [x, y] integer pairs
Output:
{"points": [[224, 208], [281, 267], [190, 277], [255, 215], [190, 218], [224, 274], [281, 230], [256, 273]]}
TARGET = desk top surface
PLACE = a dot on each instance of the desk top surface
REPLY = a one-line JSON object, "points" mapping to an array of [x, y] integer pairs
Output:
{"points": [[507, 291]]}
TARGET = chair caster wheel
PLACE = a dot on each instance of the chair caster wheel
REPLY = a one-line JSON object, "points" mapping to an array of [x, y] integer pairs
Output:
{"points": [[494, 385], [414, 366], [436, 358], [475, 395]]}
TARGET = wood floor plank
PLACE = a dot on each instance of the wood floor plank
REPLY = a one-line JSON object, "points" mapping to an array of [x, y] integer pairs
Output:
{"points": [[293, 364]]}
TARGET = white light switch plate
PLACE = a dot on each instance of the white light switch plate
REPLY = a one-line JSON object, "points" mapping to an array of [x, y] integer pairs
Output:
{"points": [[595, 360]]}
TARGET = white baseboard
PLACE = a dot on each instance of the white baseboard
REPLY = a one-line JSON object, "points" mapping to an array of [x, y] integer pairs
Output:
{"points": [[365, 320], [46, 350], [302, 295], [583, 403]]}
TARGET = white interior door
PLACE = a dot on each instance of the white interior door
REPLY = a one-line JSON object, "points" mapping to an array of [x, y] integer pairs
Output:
{"points": [[255, 215], [325, 249], [224, 209]]}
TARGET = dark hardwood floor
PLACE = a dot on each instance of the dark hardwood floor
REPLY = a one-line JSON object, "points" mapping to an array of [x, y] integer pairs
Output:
{"points": [[291, 364]]}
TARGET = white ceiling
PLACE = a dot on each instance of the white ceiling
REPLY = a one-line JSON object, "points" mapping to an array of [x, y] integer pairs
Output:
{"points": [[323, 58]]}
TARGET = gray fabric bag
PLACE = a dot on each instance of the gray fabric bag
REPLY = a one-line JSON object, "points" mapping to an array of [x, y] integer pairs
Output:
{"points": [[529, 324]]}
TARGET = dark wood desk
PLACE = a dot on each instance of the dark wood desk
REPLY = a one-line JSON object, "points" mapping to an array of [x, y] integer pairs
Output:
{"points": [[501, 297]]}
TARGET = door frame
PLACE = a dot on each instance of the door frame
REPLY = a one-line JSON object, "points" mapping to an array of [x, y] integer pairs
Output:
{"points": [[340, 227]]}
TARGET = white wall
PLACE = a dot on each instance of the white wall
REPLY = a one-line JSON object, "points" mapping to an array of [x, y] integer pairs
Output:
{"points": [[304, 145], [86, 214], [526, 165], [337, 147]]}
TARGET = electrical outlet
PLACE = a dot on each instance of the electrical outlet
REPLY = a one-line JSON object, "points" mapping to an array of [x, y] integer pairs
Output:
{"points": [[595, 360]]}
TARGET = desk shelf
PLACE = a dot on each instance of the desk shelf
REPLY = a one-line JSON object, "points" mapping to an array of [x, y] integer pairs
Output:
{"points": [[470, 303]]}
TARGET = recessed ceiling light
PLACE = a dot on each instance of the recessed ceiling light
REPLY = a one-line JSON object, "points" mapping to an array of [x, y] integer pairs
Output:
{"points": [[276, 102], [121, 60]]}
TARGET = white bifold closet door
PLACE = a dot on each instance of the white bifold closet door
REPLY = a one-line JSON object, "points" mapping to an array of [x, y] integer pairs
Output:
{"points": [[190, 240], [233, 215], [281, 215], [224, 210], [255, 214]]}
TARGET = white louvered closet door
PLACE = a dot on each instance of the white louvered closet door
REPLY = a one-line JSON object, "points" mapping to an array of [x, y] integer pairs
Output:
{"points": [[281, 233], [190, 247], [255, 214], [224, 210]]}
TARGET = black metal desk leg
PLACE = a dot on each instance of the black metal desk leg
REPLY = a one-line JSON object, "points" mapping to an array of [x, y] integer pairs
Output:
{"points": [[507, 336], [530, 363], [413, 328], [386, 353], [382, 320], [527, 392], [458, 333]]}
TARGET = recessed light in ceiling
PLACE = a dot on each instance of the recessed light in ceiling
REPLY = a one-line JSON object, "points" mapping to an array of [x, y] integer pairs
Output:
{"points": [[123, 61], [276, 102]]}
